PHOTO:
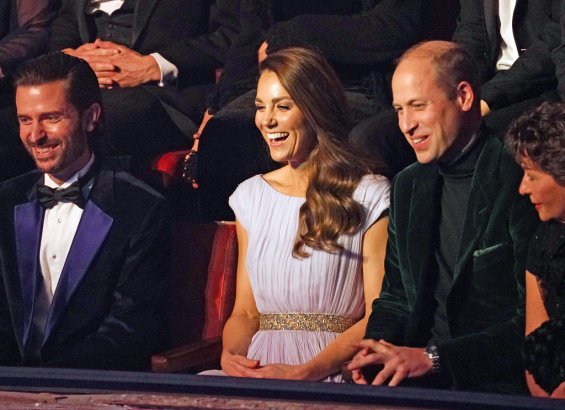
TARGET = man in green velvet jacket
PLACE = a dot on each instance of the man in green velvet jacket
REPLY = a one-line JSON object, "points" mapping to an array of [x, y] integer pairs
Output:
{"points": [[452, 298]]}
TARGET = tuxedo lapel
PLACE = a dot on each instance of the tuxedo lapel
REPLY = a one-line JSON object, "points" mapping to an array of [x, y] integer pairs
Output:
{"points": [[143, 10], [28, 224], [490, 13], [92, 230], [82, 22]]}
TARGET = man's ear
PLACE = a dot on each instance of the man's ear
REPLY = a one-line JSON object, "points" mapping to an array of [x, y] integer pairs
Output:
{"points": [[465, 95], [91, 116]]}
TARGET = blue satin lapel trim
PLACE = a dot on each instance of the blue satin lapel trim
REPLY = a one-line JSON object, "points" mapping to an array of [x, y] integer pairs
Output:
{"points": [[91, 232], [28, 226]]}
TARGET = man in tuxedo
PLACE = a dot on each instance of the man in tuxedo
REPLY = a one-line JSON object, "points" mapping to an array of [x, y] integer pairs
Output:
{"points": [[83, 260], [154, 59], [453, 292], [513, 43]]}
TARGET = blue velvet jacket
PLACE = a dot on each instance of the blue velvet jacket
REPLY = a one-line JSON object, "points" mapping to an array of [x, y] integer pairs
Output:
{"points": [[109, 310]]}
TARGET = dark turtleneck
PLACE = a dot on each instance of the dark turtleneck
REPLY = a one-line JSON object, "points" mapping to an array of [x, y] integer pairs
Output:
{"points": [[456, 184]]}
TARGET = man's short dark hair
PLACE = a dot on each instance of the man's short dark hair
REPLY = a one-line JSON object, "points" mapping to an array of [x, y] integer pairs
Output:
{"points": [[539, 135], [81, 84]]}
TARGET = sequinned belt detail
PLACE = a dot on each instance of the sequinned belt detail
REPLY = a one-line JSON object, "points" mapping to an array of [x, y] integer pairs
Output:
{"points": [[313, 322]]}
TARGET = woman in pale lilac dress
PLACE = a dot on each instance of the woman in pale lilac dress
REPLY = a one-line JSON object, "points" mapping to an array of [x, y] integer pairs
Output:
{"points": [[311, 234], [537, 139]]}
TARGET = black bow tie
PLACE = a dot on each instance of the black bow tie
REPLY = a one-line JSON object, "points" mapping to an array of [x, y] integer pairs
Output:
{"points": [[49, 197]]}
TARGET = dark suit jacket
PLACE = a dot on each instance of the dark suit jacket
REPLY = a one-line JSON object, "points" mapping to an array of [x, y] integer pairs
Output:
{"points": [[485, 305], [191, 34], [536, 29], [109, 308]]}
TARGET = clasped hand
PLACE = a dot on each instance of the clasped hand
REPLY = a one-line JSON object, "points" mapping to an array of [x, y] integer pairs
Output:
{"points": [[399, 362], [117, 65], [241, 366]]}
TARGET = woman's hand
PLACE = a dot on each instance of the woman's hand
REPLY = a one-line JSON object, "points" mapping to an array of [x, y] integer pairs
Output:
{"points": [[262, 52], [279, 371], [241, 366], [238, 365], [207, 117], [559, 392]]}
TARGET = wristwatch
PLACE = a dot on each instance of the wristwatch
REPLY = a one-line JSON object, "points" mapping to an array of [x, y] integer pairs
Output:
{"points": [[433, 354]]}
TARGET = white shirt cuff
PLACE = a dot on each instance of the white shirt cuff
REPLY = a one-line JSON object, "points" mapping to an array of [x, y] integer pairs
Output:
{"points": [[169, 71]]}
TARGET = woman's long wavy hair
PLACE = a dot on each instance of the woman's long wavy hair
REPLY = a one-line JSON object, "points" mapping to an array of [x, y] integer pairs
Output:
{"points": [[333, 167]]}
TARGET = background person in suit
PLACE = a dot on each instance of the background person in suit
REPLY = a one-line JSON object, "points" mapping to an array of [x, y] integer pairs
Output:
{"points": [[512, 42], [155, 60], [451, 306], [83, 263]]}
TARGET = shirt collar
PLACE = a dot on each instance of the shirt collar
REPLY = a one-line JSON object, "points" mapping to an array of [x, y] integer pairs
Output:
{"points": [[48, 181]]}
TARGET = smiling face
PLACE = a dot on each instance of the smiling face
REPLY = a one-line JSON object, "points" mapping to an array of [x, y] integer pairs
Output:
{"points": [[52, 130], [429, 120], [281, 122], [547, 195]]}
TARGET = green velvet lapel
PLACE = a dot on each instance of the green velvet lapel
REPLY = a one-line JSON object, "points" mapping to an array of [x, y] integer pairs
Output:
{"points": [[422, 234], [482, 196]]}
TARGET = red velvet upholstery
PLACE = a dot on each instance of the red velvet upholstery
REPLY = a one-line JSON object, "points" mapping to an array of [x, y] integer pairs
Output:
{"points": [[191, 250], [203, 294], [220, 287], [170, 166]]}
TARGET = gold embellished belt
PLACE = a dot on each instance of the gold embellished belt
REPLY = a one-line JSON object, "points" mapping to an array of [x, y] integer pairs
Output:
{"points": [[313, 322]]}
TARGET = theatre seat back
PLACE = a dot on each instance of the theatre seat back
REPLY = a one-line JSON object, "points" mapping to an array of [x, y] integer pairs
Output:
{"points": [[204, 265], [220, 287]]}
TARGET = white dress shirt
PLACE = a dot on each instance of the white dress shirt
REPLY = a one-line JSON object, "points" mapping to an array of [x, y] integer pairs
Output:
{"points": [[508, 49], [60, 224], [107, 6]]}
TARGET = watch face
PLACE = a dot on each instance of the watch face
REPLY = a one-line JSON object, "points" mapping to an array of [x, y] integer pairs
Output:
{"points": [[433, 354]]}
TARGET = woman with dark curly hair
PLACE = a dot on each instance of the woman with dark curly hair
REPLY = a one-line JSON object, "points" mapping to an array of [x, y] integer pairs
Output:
{"points": [[537, 140], [311, 234]]}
